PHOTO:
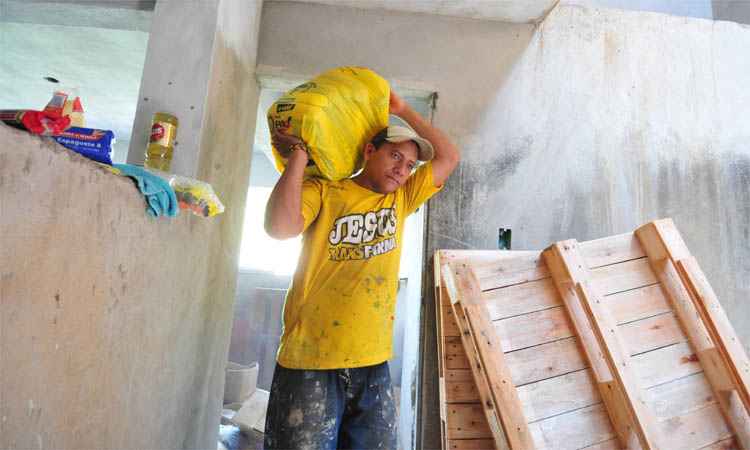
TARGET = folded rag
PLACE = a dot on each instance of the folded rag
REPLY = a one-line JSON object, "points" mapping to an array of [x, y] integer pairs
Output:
{"points": [[160, 196]]}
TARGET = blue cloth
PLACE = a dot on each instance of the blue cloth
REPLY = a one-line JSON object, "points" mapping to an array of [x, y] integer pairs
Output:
{"points": [[159, 195], [331, 409]]}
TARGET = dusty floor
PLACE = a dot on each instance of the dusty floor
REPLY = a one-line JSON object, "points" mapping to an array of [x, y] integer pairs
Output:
{"points": [[231, 438]]}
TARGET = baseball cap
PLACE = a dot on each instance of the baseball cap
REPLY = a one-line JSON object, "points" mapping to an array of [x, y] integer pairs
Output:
{"points": [[403, 133]]}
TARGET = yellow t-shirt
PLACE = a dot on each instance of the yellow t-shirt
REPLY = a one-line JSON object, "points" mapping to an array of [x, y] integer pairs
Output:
{"points": [[339, 310]]}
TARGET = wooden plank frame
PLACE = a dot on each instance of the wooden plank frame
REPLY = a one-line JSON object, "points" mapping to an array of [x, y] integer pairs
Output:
{"points": [[499, 397], [622, 337], [619, 387], [716, 344], [455, 413]]}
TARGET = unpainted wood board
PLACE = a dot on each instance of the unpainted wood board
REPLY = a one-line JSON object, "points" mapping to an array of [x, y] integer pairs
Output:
{"points": [[637, 304], [717, 323], [521, 299], [666, 364], [621, 277], [471, 444], [449, 326], [680, 396], [466, 421], [545, 361], [533, 329], [552, 324], [558, 395], [612, 444], [573, 430], [455, 356], [497, 268], [695, 429], [651, 333], [458, 375], [610, 250], [461, 392], [724, 444]]}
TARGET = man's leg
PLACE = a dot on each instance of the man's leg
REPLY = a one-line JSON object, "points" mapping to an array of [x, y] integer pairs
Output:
{"points": [[304, 410], [369, 420]]}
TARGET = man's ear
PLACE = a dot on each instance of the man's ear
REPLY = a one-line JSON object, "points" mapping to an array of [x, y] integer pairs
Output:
{"points": [[369, 150]]}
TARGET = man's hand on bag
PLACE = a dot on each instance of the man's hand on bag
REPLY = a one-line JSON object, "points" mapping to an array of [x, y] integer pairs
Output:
{"points": [[287, 144]]}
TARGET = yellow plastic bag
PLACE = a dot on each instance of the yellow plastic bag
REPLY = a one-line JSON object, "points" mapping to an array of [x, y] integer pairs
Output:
{"points": [[336, 114]]}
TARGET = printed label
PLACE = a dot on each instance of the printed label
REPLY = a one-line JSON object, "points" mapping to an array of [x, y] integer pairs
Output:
{"points": [[162, 133]]}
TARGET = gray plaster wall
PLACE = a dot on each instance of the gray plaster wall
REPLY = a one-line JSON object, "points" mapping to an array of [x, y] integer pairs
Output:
{"points": [[109, 334], [584, 126], [734, 10], [114, 327]]}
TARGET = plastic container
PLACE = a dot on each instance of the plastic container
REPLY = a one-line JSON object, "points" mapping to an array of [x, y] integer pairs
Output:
{"points": [[161, 142], [240, 382]]}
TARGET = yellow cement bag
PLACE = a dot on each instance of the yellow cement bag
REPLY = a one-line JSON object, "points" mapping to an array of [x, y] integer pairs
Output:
{"points": [[335, 114]]}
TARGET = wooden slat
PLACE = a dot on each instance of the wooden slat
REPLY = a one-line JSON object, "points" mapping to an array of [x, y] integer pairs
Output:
{"points": [[718, 373], [688, 290], [666, 364], [718, 325], [724, 444], [558, 395], [615, 351], [577, 429], [610, 250], [449, 326], [496, 268], [458, 375], [621, 277], [680, 396], [461, 392], [521, 299], [648, 334], [455, 356], [471, 444], [466, 421], [545, 361], [533, 329], [739, 419], [694, 429], [637, 304], [622, 393], [563, 275], [612, 444], [491, 374], [439, 319]]}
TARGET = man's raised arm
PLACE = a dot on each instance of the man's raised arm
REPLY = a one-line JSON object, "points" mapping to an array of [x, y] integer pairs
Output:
{"points": [[447, 155]]}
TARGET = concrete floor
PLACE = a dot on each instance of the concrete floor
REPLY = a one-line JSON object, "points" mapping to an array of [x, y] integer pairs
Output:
{"points": [[231, 438]]}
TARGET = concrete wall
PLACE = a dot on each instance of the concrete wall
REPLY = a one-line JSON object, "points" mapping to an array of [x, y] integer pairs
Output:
{"points": [[588, 125], [114, 327], [734, 10]]}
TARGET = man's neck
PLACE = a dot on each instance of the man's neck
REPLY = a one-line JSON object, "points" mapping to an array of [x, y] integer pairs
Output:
{"points": [[364, 181]]}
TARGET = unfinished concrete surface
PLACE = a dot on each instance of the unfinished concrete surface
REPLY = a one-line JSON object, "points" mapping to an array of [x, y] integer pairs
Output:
{"points": [[502, 10], [114, 327], [588, 125]]}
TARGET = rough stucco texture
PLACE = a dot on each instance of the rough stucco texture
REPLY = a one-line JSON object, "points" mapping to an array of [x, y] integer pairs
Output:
{"points": [[105, 342]]}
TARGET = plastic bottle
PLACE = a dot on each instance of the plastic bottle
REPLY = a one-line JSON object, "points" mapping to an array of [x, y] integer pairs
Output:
{"points": [[161, 143]]}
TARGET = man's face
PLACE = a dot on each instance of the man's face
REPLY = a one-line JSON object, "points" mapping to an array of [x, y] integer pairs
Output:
{"points": [[388, 167]]}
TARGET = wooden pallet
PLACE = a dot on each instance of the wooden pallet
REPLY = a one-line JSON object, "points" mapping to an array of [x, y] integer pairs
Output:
{"points": [[613, 343]]}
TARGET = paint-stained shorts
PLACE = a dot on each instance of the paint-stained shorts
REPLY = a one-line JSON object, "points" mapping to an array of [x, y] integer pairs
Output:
{"points": [[331, 409]]}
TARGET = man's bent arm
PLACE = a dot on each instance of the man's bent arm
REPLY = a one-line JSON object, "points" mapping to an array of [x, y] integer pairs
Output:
{"points": [[284, 218], [447, 155]]}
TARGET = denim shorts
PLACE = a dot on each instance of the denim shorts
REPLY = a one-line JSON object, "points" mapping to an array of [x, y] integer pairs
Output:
{"points": [[331, 409]]}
